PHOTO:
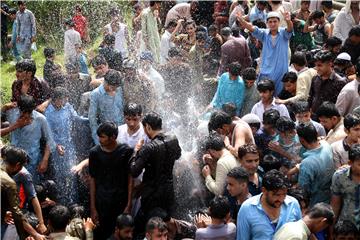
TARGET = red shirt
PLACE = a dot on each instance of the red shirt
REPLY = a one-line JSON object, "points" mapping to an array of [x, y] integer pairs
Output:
{"points": [[80, 24]]}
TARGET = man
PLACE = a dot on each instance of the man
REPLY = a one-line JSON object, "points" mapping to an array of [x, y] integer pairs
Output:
{"points": [[71, 38], [110, 182], [251, 95], [165, 43], [275, 56], [12, 43], [156, 229], [333, 44], [181, 11], [326, 85], [113, 57], [236, 133], [345, 230], [106, 103], [26, 29], [52, 73], [345, 189], [316, 219], [262, 215], [266, 89], [59, 218], [233, 50], [316, 168], [13, 160], [196, 61], [124, 229], [4, 30], [331, 120], [341, 148], [149, 30], [157, 158], [330, 12], [322, 28], [257, 12], [352, 44], [220, 161]]}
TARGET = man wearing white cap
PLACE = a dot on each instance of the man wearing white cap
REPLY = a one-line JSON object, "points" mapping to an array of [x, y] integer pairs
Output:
{"points": [[275, 55], [344, 67]]}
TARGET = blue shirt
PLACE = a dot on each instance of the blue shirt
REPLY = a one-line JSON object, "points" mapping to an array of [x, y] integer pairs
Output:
{"points": [[316, 171], [274, 57], [253, 223], [256, 14], [83, 64], [229, 91], [104, 107]]}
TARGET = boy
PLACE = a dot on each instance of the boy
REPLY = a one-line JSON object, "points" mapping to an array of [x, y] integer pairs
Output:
{"points": [[289, 83], [322, 27], [251, 95], [345, 230], [81, 59]]}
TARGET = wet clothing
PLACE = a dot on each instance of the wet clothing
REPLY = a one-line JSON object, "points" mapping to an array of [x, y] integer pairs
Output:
{"points": [[71, 38], [26, 29], [113, 57], [80, 25], [150, 33], [25, 187], [53, 74], [39, 90]]}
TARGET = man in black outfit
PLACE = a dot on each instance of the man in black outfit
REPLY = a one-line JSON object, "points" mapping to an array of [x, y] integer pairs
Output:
{"points": [[110, 182]]}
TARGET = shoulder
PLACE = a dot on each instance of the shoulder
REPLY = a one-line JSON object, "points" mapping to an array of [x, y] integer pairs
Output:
{"points": [[38, 116], [94, 150], [341, 172]]}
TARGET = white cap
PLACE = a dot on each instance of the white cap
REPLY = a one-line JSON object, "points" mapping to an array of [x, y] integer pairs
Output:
{"points": [[273, 15], [344, 56], [251, 118]]}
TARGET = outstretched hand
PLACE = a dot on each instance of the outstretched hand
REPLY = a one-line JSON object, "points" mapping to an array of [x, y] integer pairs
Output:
{"points": [[286, 15]]}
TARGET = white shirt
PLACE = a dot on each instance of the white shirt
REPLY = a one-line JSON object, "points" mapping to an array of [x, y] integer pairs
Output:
{"points": [[156, 79], [131, 140], [348, 98], [293, 230], [71, 38], [259, 109], [120, 41], [165, 45]]}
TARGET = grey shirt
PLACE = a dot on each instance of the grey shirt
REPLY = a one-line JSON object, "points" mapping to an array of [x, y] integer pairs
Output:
{"points": [[217, 232], [26, 25]]}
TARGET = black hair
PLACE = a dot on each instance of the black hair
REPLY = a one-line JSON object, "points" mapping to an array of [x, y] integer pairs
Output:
{"points": [[333, 42], [13, 155], [171, 23], [271, 116], [58, 93], [249, 73], [124, 220], [153, 120], [259, 23], [114, 12], [299, 58], [275, 180], [98, 60], [300, 195], [27, 65], [161, 213], [132, 109], [78, 7], [322, 210], [156, 223], [152, 3], [109, 39], [289, 77], [26, 104], [284, 124], [218, 119], [307, 131], [270, 162], [229, 108], [235, 68], [214, 142], [219, 207], [345, 227], [49, 52], [174, 52], [69, 22], [21, 3], [239, 174], [46, 189], [327, 109], [265, 85], [324, 56], [354, 31], [12, 11], [318, 14], [189, 22], [351, 120], [226, 32], [59, 217], [235, 31], [113, 78], [201, 36], [77, 211], [327, 4], [212, 28], [109, 129], [301, 107], [201, 28], [247, 148], [354, 152], [256, 125]]}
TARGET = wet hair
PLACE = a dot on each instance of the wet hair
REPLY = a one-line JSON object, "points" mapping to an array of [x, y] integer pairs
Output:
{"points": [[271, 116], [354, 152], [214, 142], [201, 36], [270, 162], [307, 131], [212, 28], [351, 120], [324, 56], [109, 39], [152, 3], [322, 210], [113, 78], [275, 180], [132, 109], [21, 3], [327, 4], [78, 7], [235, 68], [49, 52], [259, 23], [284, 124], [156, 223], [318, 14], [59, 217], [299, 58], [108, 129], [114, 12], [27, 65], [26, 104], [124, 220], [46, 189], [327, 109], [345, 228], [77, 211], [174, 52], [225, 32], [239, 174], [354, 31], [289, 77], [153, 120], [249, 73], [265, 85], [333, 42], [12, 11], [229, 108], [98, 60], [201, 28], [59, 93], [235, 31], [301, 107], [69, 22], [300, 195], [171, 23], [161, 213], [189, 22], [218, 119], [219, 207], [13, 155], [247, 148]]}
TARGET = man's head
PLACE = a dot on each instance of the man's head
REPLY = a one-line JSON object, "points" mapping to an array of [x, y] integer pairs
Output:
{"points": [[286, 128], [273, 21], [21, 5], [59, 97], [237, 181], [124, 227], [354, 159], [78, 10], [307, 134], [146, 60], [49, 53], [14, 159], [328, 115], [214, 145], [226, 33], [170, 27], [352, 127], [269, 162], [301, 196], [261, 5], [220, 122], [304, 5], [318, 17], [275, 186], [324, 62], [333, 44], [112, 80], [266, 90], [59, 217], [26, 104], [155, 5], [152, 123], [289, 81], [132, 114], [12, 14], [109, 40], [219, 208], [321, 216], [100, 65], [107, 133], [156, 229], [270, 118], [342, 63], [69, 23], [254, 122], [25, 69], [200, 39], [345, 230], [234, 69], [354, 35], [249, 75], [326, 5], [302, 111], [212, 29], [249, 158], [229, 108], [190, 27], [298, 60]]}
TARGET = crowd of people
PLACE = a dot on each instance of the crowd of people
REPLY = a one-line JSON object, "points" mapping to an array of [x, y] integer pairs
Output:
{"points": [[275, 119]]}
